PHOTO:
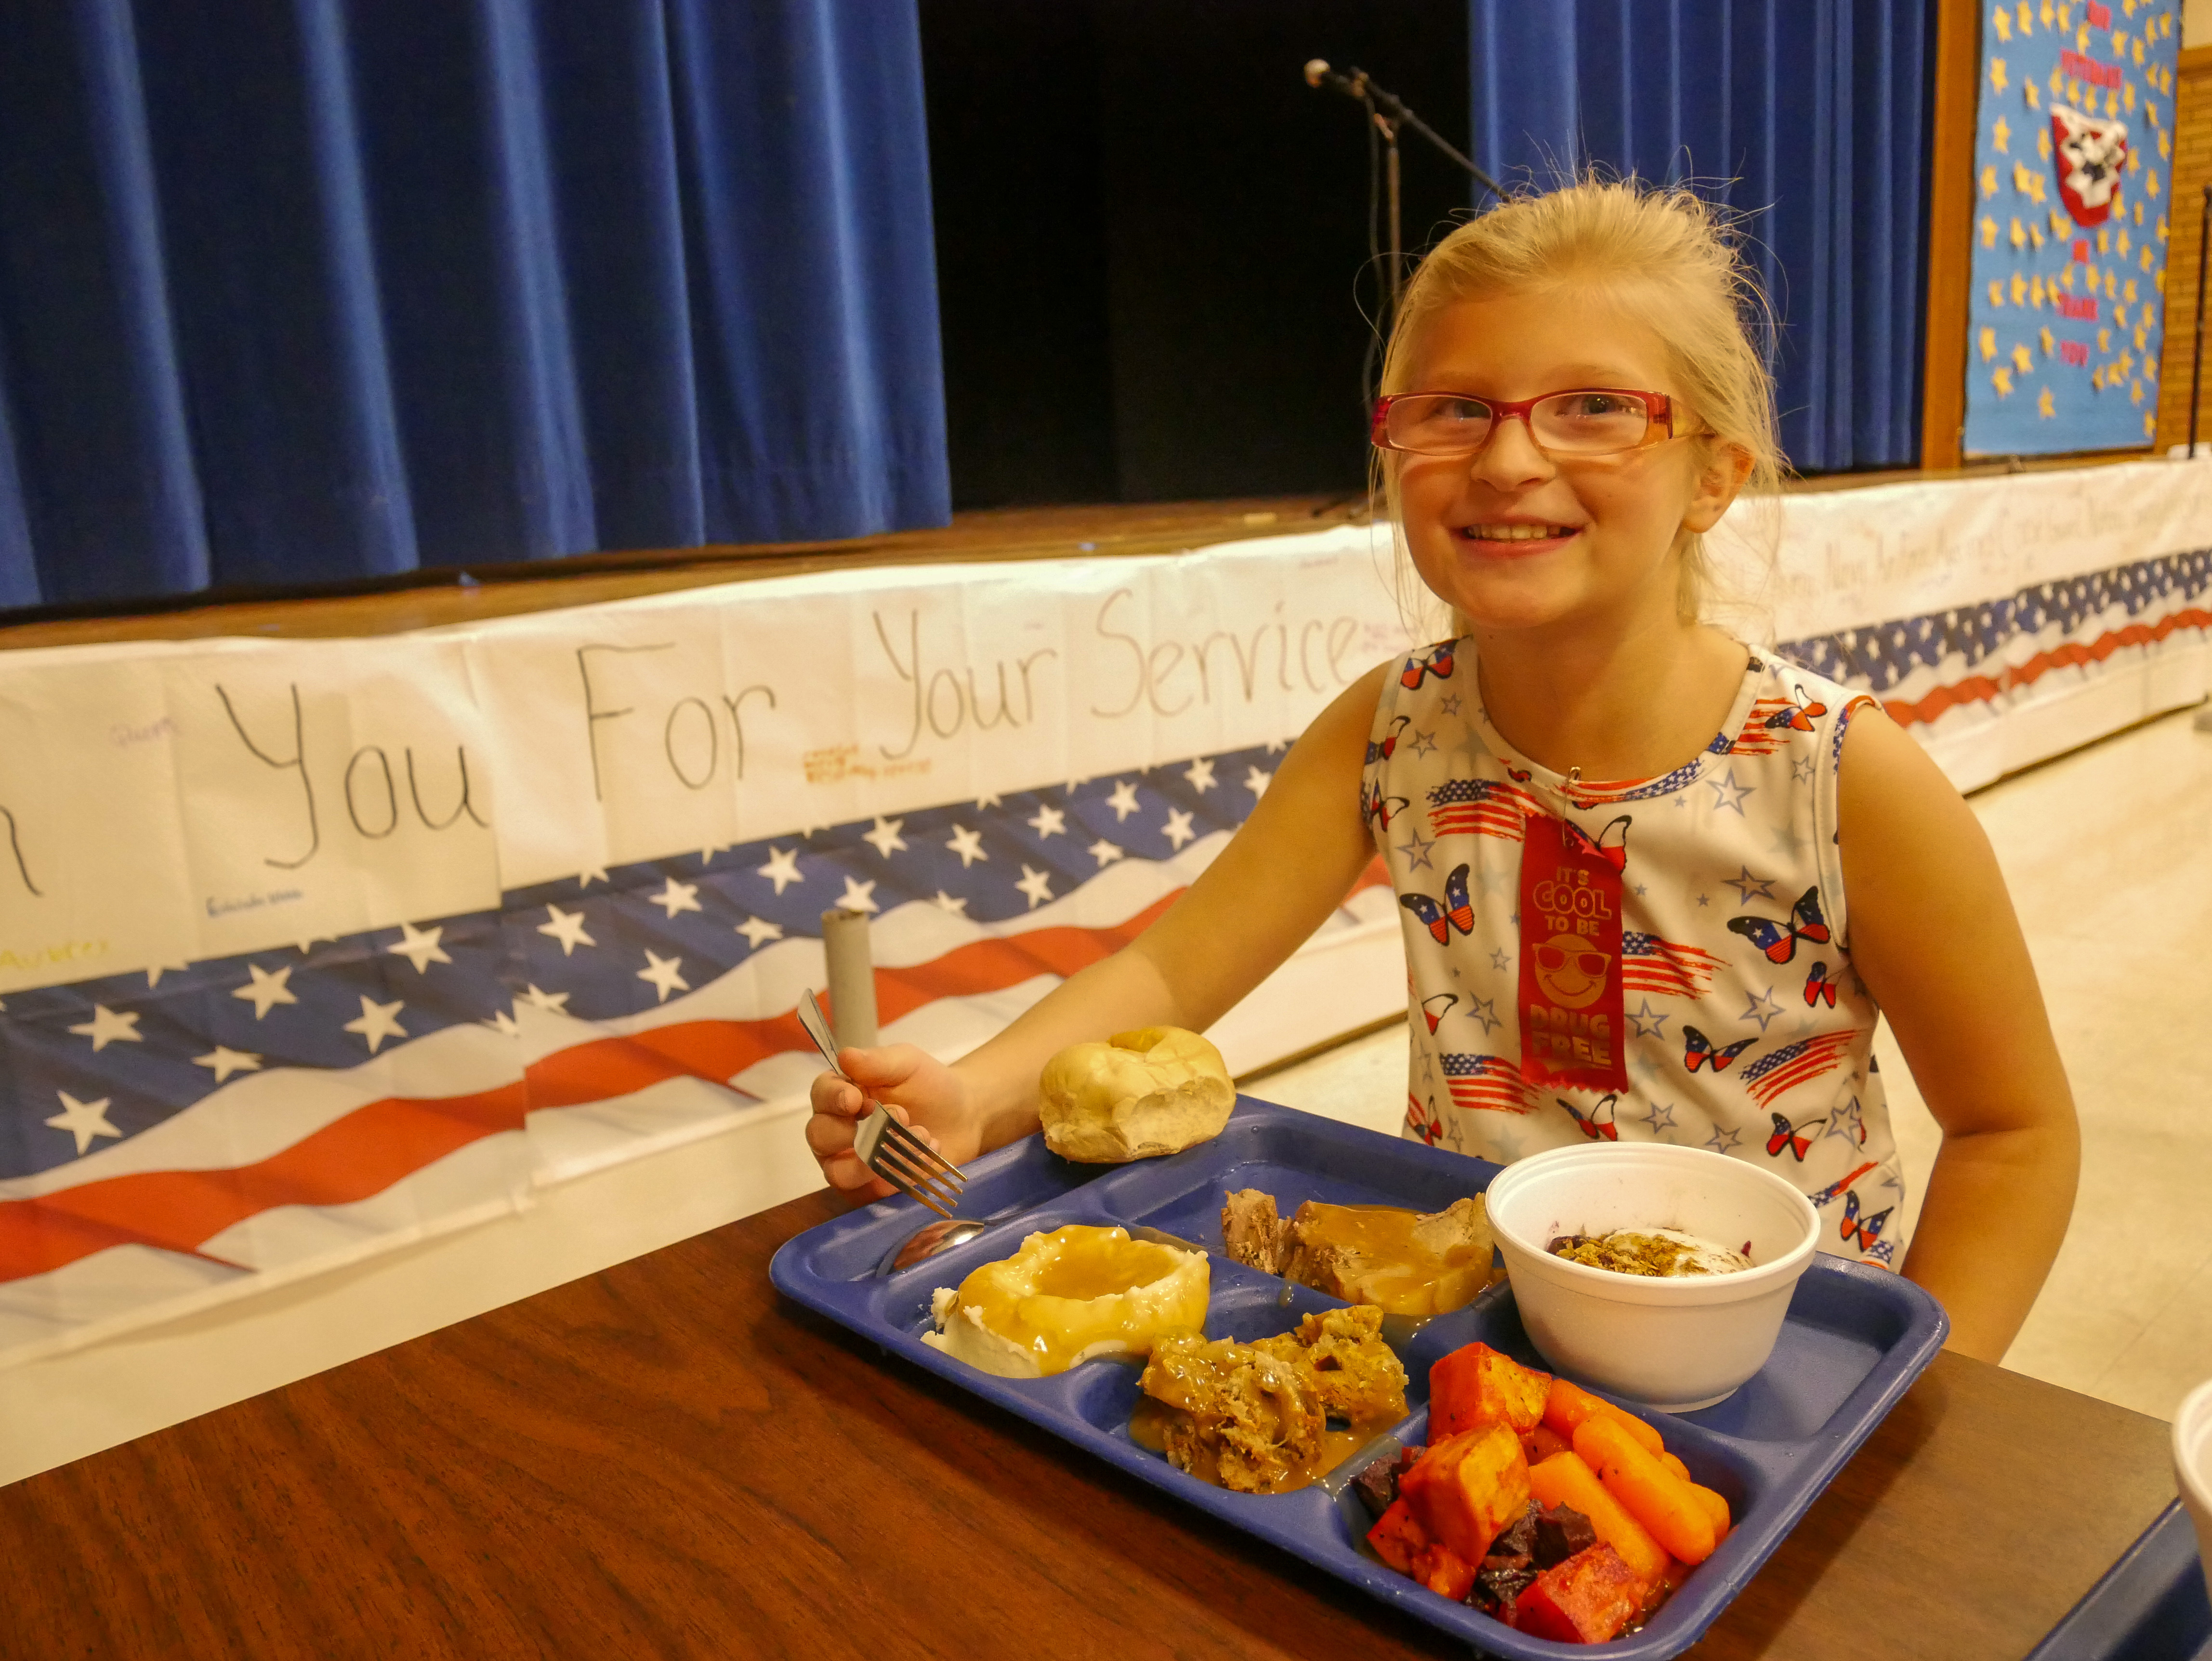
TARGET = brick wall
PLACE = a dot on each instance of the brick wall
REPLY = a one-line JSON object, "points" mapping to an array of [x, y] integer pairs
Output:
{"points": [[2192, 171]]}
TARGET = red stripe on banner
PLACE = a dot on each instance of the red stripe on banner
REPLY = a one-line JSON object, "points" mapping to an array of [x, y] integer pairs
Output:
{"points": [[1983, 688], [362, 1153]]}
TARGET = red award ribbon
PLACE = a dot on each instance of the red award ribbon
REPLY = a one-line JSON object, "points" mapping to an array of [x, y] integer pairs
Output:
{"points": [[1570, 991]]}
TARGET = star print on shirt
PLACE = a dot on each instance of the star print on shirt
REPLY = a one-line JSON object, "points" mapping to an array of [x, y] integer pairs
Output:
{"points": [[1748, 887], [1661, 1117], [1448, 704], [1728, 793], [1723, 1139], [1498, 960], [1761, 1006], [1416, 851], [1656, 1019], [1801, 769], [1785, 842], [1485, 1010], [1422, 743]]}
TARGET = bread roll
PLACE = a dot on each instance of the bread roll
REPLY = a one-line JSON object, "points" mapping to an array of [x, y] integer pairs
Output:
{"points": [[1158, 1090]]}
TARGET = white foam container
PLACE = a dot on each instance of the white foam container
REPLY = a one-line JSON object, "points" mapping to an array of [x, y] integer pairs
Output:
{"points": [[1675, 1343], [2192, 1469]]}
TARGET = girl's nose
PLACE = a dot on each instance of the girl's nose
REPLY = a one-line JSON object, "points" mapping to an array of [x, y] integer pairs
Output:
{"points": [[1509, 460]]}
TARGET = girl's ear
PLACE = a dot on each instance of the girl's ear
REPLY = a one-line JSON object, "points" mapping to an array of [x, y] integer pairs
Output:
{"points": [[1727, 467]]}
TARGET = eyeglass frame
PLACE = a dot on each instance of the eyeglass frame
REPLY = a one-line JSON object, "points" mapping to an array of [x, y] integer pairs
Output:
{"points": [[1658, 413]]}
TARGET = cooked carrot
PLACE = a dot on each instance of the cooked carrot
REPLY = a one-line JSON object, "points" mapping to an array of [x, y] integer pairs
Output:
{"points": [[1565, 1479], [1543, 1442], [1567, 1407], [1716, 1507], [1654, 1495], [1674, 1465]]}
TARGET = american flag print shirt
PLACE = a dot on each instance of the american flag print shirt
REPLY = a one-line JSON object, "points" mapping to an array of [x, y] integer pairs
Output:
{"points": [[1745, 1031]]}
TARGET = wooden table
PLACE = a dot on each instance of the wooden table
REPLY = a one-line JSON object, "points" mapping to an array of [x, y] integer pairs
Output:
{"points": [[667, 1459]]}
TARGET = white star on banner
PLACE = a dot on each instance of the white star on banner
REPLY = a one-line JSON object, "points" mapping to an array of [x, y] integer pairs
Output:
{"points": [[1177, 829], [1038, 884], [585, 879], [859, 896], [1257, 781], [503, 1023], [1048, 822], [957, 906], [1104, 852], [567, 928], [554, 1003], [1276, 747], [885, 837], [107, 1026], [781, 869], [378, 1021], [677, 896], [1123, 801], [224, 1061], [265, 988], [419, 947], [83, 1120], [756, 929], [313, 940], [968, 844], [1200, 775], [989, 798], [153, 974], [706, 853], [666, 975]]}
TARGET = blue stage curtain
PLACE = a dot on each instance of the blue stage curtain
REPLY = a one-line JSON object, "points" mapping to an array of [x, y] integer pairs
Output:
{"points": [[1814, 114], [294, 290]]}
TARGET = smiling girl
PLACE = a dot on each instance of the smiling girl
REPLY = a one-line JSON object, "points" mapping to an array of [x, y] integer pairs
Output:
{"points": [[1658, 884]]}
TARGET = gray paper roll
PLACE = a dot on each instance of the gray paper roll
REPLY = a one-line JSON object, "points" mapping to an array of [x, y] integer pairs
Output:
{"points": [[852, 977]]}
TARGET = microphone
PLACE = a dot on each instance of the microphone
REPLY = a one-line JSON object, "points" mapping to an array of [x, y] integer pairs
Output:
{"points": [[1318, 75]]}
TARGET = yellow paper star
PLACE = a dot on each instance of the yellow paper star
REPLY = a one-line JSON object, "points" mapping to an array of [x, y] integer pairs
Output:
{"points": [[2130, 290], [2022, 359], [2112, 287], [1988, 233], [2019, 289], [2035, 290], [1997, 78], [2035, 233], [2001, 378], [2137, 53], [2019, 235], [2150, 424], [2043, 404], [2058, 224], [2128, 96], [2122, 242], [2150, 368], [2045, 13], [2142, 338], [2042, 142], [2104, 340], [2082, 39], [2151, 179], [2026, 22], [1997, 292], [2104, 238], [2028, 88], [2066, 279], [2001, 20], [2112, 103], [2135, 391], [2047, 346], [1989, 179], [1989, 344]]}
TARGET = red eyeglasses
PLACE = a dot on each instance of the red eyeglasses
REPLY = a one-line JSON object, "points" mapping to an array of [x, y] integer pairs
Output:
{"points": [[1586, 421]]}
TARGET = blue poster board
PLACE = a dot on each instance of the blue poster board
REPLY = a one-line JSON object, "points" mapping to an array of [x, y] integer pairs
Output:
{"points": [[2073, 172]]}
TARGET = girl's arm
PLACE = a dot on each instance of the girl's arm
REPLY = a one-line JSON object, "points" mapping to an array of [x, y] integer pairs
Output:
{"points": [[1288, 866], [1933, 937]]}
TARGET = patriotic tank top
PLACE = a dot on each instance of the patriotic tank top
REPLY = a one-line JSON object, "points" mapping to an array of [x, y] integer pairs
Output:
{"points": [[1744, 1027]]}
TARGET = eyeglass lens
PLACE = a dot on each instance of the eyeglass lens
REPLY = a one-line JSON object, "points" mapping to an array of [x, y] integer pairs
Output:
{"points": [[1573, 423]]}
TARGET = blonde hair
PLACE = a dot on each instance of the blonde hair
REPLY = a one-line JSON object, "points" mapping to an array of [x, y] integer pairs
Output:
{"points": [[1664, 255]]}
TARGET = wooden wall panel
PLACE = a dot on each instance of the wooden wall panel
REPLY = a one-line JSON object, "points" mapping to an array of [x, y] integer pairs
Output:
{"points": [[2190, 172], [1950, 231]]}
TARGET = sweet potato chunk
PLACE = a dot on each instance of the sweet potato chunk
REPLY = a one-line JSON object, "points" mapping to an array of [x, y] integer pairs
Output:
{"points": [[1397, 1538], [1469, 1489], [1476, 1385], [1585, 1600], [1445, 1573]]}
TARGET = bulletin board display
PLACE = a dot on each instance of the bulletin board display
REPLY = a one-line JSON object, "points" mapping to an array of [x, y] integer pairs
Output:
{"points": [[2073, 163]]}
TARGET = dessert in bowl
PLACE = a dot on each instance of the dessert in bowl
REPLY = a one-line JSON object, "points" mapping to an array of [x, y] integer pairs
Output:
{"points": [[1672, 1341], [1068, 1295]]}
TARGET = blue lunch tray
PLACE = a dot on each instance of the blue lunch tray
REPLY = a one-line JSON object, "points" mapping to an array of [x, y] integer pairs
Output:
{"points": [[1855, 1338], [2150, 1606]]}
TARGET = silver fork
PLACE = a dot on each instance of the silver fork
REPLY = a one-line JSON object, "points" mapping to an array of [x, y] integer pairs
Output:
{"points": [[886, 1147]]}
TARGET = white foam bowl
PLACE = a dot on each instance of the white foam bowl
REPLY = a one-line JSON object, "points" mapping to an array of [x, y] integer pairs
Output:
{"points": [[1674, 1343], [2193, 1468]]}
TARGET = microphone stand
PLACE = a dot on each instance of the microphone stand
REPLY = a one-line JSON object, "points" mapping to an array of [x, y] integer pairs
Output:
{"points": [[1389, 114]]}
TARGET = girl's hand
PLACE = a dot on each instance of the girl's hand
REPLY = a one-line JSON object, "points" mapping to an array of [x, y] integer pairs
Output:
{"points": [[922, 1093]]}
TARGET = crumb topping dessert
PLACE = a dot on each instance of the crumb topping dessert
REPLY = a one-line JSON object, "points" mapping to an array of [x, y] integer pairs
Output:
{"points": [[1655, 1251]]}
